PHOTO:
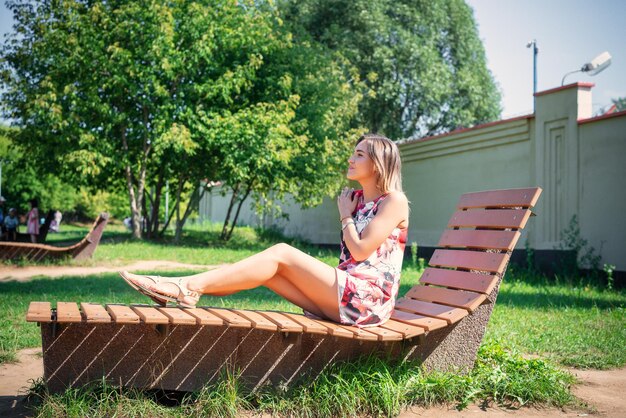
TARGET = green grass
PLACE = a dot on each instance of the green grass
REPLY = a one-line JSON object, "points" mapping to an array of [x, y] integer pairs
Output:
{"points": [[376, 387], [363, 387], [575, 325]]}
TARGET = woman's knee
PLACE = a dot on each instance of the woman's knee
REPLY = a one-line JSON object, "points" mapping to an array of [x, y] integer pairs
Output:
{"points": [[281, 250], [282, 253]]}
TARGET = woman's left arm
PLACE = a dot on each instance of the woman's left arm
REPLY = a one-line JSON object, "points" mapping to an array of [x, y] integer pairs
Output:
{"points": [[392, 211]]}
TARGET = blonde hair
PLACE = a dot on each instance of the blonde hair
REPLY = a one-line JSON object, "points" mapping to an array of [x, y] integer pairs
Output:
{"points": [[386, 157]]}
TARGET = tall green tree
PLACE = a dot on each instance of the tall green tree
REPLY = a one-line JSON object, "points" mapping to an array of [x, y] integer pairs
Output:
{"points": [[297, 140], [422, 60], [21, 181], [142, 92]]}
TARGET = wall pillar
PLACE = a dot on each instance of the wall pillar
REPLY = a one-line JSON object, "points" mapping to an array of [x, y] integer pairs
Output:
{"points": [[556, 147]]}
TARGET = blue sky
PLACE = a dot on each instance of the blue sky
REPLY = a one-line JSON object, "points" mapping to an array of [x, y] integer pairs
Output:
{"points": [[569, 33]]}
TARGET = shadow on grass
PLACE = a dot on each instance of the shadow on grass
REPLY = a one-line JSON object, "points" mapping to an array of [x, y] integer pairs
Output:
{"points": [[547, 298], [550, 296]]}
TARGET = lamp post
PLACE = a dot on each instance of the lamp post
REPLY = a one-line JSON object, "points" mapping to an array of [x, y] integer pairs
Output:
{"points": [[533, 43], [593, 67]]}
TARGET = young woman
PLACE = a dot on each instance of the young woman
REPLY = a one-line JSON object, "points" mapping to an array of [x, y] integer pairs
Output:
{"points": [[32, 221], [361, 291]]}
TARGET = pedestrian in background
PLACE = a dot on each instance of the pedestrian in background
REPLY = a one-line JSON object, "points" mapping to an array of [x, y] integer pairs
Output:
{"points": [[32, 221]]}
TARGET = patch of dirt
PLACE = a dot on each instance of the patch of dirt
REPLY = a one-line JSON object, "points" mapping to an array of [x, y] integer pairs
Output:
{"points": [[16, 379], [604, 389], [601, 390], [8, 273], [475, 411]]}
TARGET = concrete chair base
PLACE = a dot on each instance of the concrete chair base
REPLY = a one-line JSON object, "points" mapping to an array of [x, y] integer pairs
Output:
{"points": [[185, 358]]}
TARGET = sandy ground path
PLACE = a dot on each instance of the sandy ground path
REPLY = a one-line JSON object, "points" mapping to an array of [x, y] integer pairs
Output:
{"points": [[16, 378], [26, 273], [602, 390]]}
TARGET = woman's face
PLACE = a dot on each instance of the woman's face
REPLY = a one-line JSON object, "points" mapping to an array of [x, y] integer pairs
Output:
{"points": [[360, 165]]}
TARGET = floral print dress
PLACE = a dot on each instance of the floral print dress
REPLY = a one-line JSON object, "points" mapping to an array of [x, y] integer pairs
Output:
{"points": [[32, 222], [368, 294]]}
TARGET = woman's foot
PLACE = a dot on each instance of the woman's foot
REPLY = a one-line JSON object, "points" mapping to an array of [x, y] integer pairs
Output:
{"points": [[138, 282], [172, 289]]}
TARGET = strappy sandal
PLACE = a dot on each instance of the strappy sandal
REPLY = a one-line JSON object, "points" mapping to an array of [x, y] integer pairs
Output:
{"points": [[183, 292], [156, 279]]}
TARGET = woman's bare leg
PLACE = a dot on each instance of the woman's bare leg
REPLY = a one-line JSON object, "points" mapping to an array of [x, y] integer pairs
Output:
{"points": [[293, 274], [284, 288]]}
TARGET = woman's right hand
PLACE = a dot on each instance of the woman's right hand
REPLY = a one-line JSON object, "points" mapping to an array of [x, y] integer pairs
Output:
{"points": [[346, 202]]}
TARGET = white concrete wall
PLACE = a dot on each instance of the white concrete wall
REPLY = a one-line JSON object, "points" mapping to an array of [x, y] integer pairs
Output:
{"points": [[437, 171], [578, 161], [602, 196]]}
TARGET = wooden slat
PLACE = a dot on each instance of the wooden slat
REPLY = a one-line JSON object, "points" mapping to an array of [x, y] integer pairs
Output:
{"points": [[284, 323], [39, 312], [122, 314], [482, 239], [408, 331], [496, 218], [336, 330], [385, 334], [457, 298], [258, 320], [230, 318], [150, 315], [447, 313], [427, 322], [360, 333], [178, 316], [471, 260], [204, 317], [481, 283], [68, 312], [526, 197], [94, 313], [310, 326]]}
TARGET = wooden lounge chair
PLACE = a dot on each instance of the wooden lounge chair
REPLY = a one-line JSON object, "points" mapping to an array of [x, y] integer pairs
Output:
{"points": [[440, 321], [37, 252]]}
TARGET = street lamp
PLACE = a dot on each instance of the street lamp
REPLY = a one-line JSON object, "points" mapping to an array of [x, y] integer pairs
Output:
{"points": [[595, 66], [533, 43]]}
